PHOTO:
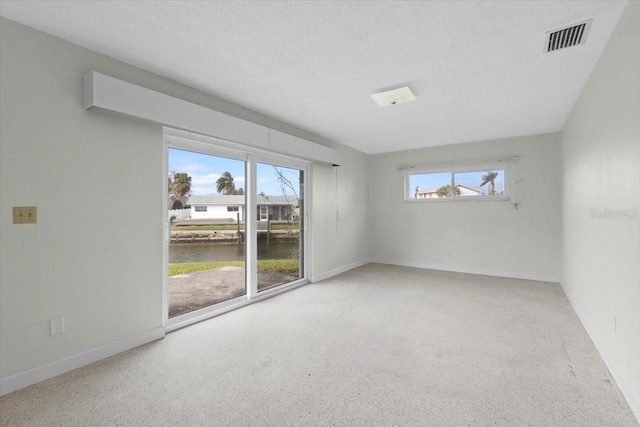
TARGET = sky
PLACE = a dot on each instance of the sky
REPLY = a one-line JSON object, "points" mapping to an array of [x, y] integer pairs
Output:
{"points": [[436, 180], [205, 170]]}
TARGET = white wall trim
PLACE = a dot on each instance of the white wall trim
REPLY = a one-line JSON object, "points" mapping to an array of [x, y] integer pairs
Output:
{"points": [[481, 271], [609, 361], [339, 270], [53, 369]]}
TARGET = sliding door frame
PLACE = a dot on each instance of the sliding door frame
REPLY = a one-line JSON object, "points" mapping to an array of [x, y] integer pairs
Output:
{"points": [[291, 164], [214, 146]]}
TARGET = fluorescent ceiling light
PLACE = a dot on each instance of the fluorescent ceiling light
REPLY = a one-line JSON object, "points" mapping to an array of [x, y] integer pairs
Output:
{"points": [[394, 96]]}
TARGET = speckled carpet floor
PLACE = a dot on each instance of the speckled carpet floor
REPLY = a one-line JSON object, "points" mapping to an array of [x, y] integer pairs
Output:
{"points": [[376, 346]]}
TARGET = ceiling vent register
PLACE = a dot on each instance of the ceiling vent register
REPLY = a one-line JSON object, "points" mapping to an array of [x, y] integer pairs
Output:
{"points": [[568, 36]]}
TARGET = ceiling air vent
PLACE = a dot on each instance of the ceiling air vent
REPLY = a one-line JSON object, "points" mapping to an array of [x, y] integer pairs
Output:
{"points": [[568, 36]]}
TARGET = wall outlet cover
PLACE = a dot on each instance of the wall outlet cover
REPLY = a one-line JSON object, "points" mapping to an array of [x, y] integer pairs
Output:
{"points": [[56, 326]]}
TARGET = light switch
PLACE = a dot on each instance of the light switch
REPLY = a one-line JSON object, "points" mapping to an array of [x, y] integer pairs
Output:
{"points": [[25, 215]]}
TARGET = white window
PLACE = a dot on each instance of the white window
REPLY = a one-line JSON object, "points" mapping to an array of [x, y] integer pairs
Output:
{"points": [[483, 184], [233, 209], [200, 208]]}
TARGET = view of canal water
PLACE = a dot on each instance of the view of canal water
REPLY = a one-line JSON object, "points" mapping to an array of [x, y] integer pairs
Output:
{"points": [[204, 252]]}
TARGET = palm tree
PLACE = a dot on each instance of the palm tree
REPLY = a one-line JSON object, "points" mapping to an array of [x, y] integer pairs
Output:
{"points": [[180, 185], [490, 178], [225, 184]]}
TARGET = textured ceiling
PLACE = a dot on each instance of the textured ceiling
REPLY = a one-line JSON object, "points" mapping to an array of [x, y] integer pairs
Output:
{"points": [[478, 69]]}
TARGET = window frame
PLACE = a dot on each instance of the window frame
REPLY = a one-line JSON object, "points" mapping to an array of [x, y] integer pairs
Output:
{"points": [[455, 170]]}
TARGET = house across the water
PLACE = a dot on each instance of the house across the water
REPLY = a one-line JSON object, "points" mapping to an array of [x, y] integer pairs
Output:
{"points": [[275, 208], [461, 190]]}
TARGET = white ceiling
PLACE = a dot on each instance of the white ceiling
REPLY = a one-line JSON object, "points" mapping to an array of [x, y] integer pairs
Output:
{"points": [[478, 68]]}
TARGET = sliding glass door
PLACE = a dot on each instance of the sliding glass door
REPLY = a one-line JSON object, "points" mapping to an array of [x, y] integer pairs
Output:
{"points": [[206, 204], [280, 223], [235, 227]]}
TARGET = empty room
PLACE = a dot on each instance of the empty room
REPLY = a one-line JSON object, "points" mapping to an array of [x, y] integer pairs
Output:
{"points": [[320, 213]]}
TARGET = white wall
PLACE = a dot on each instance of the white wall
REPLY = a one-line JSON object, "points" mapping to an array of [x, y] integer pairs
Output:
{"points": [[341, 231], [103, 273], [601, 170], [489, 237], [99, 270]]}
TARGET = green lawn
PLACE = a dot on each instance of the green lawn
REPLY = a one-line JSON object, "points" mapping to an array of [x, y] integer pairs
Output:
{"points": [[276, 265]]}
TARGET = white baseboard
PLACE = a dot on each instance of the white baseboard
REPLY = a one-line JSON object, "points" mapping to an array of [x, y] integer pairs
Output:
{"points": [[53, 369], [483, 272], [339, 270], [627, 392]]}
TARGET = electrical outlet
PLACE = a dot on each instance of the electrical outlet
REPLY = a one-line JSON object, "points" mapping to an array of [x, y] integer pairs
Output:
{"points": [[25, 215], [56, 326]]}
